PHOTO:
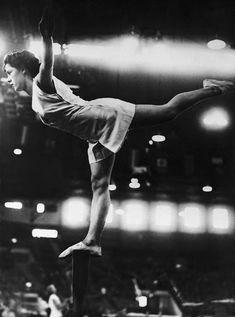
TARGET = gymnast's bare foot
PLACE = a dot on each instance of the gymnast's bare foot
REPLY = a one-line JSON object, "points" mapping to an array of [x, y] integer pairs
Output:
{"points": [[221, 86], [94, 250]]}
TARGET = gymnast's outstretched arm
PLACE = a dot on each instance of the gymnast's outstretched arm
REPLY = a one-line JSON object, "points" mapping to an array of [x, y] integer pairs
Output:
{"points": [[46, 27]]}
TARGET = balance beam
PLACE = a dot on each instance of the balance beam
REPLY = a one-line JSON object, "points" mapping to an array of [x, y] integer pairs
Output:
{"points": [[80, 273]]}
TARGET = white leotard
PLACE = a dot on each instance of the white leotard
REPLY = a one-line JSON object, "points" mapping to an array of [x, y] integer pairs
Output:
{"points": [[103, 122]]}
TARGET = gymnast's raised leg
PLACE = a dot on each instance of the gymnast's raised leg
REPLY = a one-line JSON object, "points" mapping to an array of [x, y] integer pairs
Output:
{"points": [[151, 115]]}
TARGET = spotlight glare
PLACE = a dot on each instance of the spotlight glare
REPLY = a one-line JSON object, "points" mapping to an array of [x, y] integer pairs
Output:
{"points": [[112, 187], [216, 44], [132, 53], [158, 138], [215, 119], [192, 218], [56, 49], [17, 151], [28, 284], [129, 42], [40, 208], [13, 205], [75, 212], [2, 45], [119, 211], [163, 217], [142, 301], [85, 51], [207, 188], [221, 220], [134, 185], [36, 47], [135, 217], [45, 233]]}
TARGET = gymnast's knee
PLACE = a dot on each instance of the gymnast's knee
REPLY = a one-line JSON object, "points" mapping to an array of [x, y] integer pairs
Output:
{"points": [[171, 111]]}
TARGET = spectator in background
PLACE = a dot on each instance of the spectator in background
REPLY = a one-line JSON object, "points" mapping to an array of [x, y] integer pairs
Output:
{"points": [[7, 312], [42, 307], [54, 302]]}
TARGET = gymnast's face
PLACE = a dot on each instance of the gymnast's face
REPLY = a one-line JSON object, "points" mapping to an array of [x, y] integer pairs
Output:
{"points": [[15, 77]]}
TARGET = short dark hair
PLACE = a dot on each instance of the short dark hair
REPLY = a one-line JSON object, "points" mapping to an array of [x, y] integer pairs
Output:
{"points": [[23, 59]]}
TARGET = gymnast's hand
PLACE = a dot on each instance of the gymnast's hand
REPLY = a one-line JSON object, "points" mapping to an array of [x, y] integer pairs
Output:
{"points": [[46, 24]]}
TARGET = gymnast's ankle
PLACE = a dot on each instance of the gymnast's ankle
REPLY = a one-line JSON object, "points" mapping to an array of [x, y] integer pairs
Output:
{"points": [[91, 242]]}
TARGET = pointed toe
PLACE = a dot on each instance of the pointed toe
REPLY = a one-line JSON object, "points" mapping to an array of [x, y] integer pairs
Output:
{"points": [[222, 86]]}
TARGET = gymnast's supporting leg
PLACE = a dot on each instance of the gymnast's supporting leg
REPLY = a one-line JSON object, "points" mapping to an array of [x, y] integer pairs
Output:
{"points": [[80, 273], [151, 115], [100, 180]]}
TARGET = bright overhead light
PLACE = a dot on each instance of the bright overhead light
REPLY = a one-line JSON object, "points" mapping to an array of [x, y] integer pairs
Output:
{"points": [[28, 284], [13, 205], [112, 187], [207, 188], [75, 212], [216, 44], [142, 301], [215, 119], [221, 220], [44, 233], [192, 218], [135, 217], [163, 217], [158, 138], [17, 151], [40, 208], [134, 184]]}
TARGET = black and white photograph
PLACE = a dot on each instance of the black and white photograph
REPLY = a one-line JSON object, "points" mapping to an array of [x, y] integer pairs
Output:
{"points": [[117, 158]]}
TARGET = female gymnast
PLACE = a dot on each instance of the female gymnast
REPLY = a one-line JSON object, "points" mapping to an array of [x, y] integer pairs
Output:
{"points": [[102, 122]]}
